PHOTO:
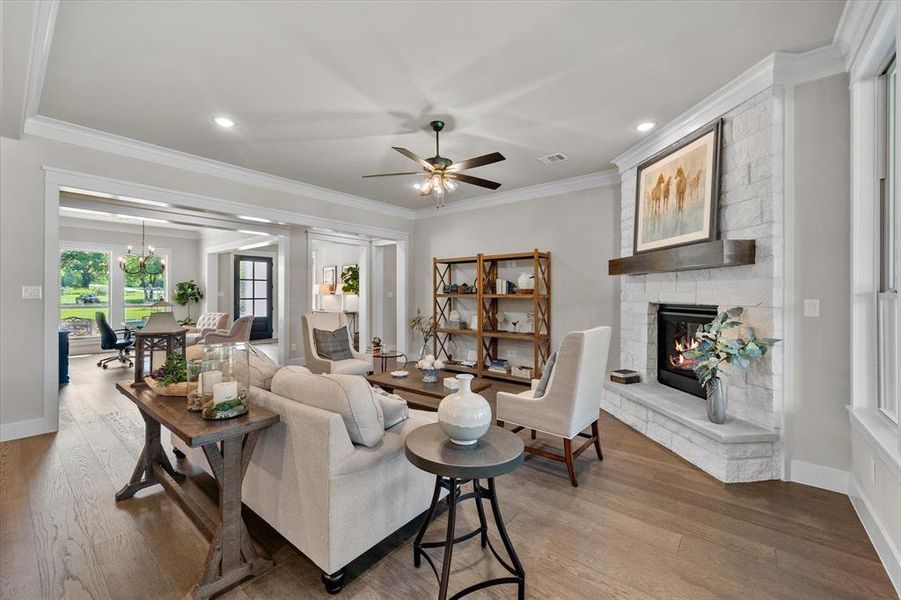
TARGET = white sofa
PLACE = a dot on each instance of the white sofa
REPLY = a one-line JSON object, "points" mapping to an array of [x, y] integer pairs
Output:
{"points": [[331, 498], [360, 364]]}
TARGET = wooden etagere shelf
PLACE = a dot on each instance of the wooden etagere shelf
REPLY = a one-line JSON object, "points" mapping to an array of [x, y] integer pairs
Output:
{"points": [[488, 337]]}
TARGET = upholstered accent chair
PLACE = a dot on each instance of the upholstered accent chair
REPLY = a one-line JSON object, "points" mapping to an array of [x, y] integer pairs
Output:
{"points": [[239, 332], [359, 364], [206, 322], [571, 401]]}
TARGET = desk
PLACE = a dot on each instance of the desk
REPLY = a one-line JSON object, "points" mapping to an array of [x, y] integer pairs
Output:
{"points": [[232, 556]]}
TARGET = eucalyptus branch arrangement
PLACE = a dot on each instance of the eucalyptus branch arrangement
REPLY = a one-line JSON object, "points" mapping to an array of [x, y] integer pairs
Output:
{"points": [[425, 326], [715, 350]]}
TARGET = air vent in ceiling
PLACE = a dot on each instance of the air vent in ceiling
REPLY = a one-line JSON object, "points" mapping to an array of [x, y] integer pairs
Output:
{"points": [[551, 159]]}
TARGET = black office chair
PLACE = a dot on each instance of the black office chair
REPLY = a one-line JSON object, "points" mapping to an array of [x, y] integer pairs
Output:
{"points": [[109, 340]]}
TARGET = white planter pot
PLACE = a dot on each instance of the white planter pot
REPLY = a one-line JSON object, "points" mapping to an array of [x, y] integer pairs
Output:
{"points": [[464, 416]]}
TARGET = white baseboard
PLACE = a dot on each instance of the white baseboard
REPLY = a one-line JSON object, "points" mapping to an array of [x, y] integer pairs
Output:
{"points": [[23, 429], [888, 554], [819, 476]]}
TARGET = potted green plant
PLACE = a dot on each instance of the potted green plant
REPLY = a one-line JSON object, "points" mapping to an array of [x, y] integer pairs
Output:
{"points": [[350, 279], [718, 353], [185, 293]]}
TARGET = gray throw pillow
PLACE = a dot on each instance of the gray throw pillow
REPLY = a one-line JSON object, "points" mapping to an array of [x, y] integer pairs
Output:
{"points": [[545, 376], [394, 408], [332, 345]]}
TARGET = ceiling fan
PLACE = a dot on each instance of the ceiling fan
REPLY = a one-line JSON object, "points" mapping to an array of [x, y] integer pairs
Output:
{"points": [[442, 174]]}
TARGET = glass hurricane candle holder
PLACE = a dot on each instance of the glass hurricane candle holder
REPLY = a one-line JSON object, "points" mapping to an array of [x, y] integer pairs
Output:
{"points": [[195, 398], [224, 380]]}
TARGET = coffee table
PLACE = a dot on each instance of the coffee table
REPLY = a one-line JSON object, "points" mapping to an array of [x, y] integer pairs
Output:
{"points": [[414, 384], [497, 452]]}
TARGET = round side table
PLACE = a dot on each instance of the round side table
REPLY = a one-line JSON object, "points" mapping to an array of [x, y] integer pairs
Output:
{"points": [[387, 355], [496, 453]]}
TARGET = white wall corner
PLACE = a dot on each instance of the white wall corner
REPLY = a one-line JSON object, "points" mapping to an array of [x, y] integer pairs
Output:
{"points": [[862, 34], [826, 478], [888, 553]]}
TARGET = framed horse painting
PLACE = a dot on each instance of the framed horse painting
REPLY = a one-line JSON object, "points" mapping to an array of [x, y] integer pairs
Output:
{"points": [[677, 192]]}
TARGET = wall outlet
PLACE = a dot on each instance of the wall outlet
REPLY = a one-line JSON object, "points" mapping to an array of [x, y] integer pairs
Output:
{"points": [[811, 307], [32, 292]]}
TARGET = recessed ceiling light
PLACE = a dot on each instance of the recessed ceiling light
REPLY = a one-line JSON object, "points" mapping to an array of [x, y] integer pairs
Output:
{"points": [[148, 219], [255, 219], [84, 211], [646, 126], [224, 122], [248, 231]]}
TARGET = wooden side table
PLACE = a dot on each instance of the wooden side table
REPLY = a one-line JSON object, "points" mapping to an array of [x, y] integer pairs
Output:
{"points": [[232, 556], [496, 453]]}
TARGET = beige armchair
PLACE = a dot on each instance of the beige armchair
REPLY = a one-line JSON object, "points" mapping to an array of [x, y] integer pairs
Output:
{"points": [[239, 332], [360, 364], [206, 323], [571, 402]]}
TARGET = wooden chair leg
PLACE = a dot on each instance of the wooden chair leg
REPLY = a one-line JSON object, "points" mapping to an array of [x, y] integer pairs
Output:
{"points": [[568, 459], [534, 434], [597, 440]]}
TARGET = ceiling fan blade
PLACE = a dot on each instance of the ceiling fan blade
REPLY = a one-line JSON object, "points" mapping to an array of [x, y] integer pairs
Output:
{"points": [[493, 185], [393, 174], [415, 157], [478, 161]]}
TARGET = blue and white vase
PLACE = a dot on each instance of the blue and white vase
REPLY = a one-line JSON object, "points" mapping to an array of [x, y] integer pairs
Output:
{"points": [[464, 416], [429, 375]]}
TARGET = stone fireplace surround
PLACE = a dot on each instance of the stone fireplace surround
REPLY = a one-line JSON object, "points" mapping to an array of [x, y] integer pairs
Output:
{"points": [[748, 447]]}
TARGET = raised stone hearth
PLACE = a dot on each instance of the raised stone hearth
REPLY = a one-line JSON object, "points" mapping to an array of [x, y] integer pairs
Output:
{"points": [[750, 208], [735, 451]]}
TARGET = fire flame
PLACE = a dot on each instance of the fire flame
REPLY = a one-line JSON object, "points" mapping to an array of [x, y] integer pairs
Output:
{"points": [[683, 344]]}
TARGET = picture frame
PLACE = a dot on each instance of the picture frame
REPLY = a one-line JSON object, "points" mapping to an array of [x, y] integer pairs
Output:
{"points": [[330, 276], [677, 192]]}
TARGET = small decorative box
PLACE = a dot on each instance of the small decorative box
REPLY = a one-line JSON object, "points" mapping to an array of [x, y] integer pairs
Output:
{"points": [[451, 383], [522, 371]]}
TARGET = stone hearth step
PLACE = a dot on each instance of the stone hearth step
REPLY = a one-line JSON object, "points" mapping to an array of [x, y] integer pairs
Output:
{"points": [[735, 451]]}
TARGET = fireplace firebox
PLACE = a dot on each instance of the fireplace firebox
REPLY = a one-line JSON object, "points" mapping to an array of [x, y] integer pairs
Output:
{"points": [[676, 327]]}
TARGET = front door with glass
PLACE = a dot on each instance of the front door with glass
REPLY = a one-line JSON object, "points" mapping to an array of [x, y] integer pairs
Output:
{"points": [[253, 293]]}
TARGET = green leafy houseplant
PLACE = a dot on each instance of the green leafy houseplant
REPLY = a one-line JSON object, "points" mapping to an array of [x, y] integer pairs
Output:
{"points": [[185, 293], [716, 351], [350, 279]]}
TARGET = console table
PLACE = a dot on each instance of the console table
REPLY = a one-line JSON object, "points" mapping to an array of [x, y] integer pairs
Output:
{"points": [[228, 446]]}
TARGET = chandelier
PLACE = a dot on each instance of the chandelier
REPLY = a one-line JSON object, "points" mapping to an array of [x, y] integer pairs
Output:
{"points": [[142, 264]]}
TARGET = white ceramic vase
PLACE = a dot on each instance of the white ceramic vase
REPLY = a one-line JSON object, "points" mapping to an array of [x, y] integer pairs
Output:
{"points": [[464, 416]]}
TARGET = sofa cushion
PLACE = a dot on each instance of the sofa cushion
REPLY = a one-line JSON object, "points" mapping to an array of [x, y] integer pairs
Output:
{"points": [[348, 395], [332, 345], [262, 369], [394, 408]]}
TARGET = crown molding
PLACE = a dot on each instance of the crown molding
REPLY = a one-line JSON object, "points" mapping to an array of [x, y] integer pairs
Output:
{"points": [[866, 33], [779, 68], [44, 24], [69, 133], [541, 190], [748, 84]]}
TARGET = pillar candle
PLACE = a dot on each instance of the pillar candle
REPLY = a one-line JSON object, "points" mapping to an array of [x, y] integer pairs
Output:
{"points": [[207, 380], [225, 391]]}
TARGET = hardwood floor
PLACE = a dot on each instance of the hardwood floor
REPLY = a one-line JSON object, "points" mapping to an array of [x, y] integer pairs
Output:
{"points": [[642, 524]]}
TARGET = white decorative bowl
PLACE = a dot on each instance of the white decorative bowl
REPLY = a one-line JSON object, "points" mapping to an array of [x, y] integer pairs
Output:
{"points": [[464, 416]]}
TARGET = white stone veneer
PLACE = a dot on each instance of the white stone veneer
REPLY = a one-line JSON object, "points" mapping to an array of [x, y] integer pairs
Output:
{"points": [[751, 197]]}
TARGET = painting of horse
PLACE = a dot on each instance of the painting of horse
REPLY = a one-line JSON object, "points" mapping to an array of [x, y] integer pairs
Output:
{"points": [[677, 193]]}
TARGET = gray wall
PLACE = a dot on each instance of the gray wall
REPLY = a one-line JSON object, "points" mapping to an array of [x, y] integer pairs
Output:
{"points": [[816, 421], [580, 229]]}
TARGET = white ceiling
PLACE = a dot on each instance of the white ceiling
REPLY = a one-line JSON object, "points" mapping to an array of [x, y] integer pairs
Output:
{"points": [[320, 91]]}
